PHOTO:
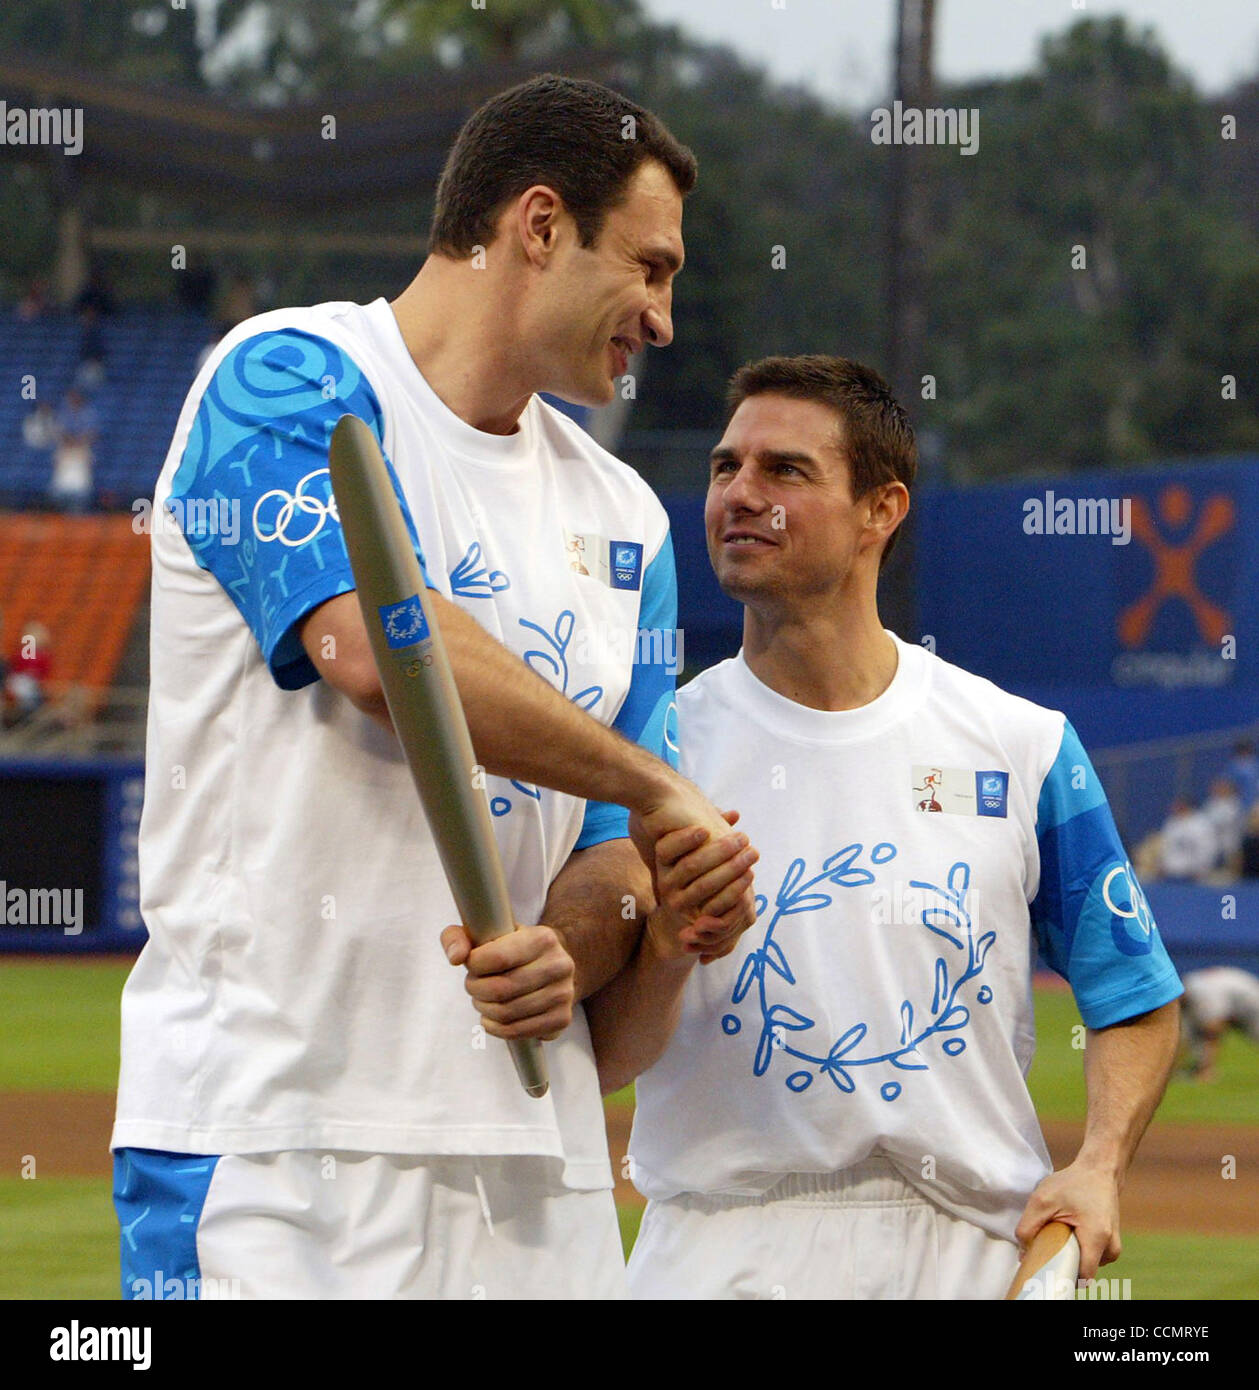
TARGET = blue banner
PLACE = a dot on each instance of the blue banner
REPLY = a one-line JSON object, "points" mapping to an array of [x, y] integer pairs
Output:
{"points": [[1128, 598]]}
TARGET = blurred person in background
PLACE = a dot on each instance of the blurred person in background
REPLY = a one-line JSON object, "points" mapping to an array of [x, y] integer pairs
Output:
{"points": [[1216, 1000], [1223, 808], [1250, 845], [236, 304], [70, 488], [28, 669], [1189, 843], [90, 372], [95, 303], [1243, 773], [33, 302], [39, 428]]}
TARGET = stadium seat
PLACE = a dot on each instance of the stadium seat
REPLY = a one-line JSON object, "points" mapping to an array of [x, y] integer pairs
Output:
{"points": [[83, 578]]}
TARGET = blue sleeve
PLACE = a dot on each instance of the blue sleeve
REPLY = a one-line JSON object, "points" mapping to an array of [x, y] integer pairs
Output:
{"points": [[259, 446], [1091, 919], [649, 715]]}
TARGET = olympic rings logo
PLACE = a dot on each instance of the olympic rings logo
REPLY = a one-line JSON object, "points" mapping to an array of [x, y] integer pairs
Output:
{"points": [[290, 505], [671, 715], [1138, 909]]}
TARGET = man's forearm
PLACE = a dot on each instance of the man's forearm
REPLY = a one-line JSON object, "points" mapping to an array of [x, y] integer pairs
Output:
{"points": [[633, 1017], [587, 906], [521, 726], [1126, 1068]]}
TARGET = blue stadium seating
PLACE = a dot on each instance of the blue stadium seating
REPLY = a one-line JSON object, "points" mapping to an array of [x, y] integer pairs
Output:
{"points": [[151, 357]]}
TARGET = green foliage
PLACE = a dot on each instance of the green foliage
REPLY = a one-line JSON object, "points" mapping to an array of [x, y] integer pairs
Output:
{"points": [[511, 29], [777, 170], [1041, 365], [131, 40], [1045, 365]]}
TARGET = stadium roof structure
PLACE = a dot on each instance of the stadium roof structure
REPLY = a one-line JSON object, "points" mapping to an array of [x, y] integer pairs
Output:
{"points": [[390, 140]]}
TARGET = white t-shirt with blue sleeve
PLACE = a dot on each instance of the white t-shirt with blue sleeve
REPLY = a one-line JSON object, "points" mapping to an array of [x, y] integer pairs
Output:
{"points": [[293, 992], [914, 854]]}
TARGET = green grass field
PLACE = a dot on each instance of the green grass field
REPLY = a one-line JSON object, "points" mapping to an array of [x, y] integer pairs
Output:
{"points": [[58, 1238]]}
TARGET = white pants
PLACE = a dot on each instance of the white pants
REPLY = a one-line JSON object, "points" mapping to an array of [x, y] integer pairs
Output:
{"points": [[311, 1225], [862, 1233]]}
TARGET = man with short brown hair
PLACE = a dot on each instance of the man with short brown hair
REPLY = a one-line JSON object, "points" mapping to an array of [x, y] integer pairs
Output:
{"points": [[838, 1109], [308, 1104]]}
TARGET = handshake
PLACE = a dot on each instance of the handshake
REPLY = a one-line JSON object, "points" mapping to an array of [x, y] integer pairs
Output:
{"points": [[526, 984], [701, 873]]}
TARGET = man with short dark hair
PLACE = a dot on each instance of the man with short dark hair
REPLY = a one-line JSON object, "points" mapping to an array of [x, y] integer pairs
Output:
{"points": [[838, 1109], [308, 1104]]}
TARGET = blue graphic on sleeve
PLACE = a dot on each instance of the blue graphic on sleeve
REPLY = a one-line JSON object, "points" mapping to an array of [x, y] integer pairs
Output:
{"points": [[1091, 919], [649, 714], [260, 441], [404, 623], [991, 793], [783, 1027]]}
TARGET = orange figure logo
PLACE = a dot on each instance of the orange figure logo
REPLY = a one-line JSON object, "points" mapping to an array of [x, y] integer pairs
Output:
{"points": [[1174, 564], [931, 783]]}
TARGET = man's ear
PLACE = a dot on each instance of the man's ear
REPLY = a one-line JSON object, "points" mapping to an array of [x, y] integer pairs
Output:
{"points": [[889, 505], [539, 212]]}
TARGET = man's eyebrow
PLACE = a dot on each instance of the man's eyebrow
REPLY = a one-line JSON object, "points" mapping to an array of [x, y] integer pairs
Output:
{"points": [[667, 254], [724, 455]]}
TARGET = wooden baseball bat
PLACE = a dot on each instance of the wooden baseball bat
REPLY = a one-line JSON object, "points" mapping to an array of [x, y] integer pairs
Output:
{"points": [[1051, 1263], [422, 697]]}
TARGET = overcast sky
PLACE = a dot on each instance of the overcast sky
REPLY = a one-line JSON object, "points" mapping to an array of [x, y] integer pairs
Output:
{"points": [[841, 49]]}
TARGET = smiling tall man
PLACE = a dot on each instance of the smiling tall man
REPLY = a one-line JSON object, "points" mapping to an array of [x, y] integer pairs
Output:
{"points": [[308, 1107], [839, 1109]]}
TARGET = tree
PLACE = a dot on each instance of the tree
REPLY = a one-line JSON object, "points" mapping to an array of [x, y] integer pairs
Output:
{"points": [[502, 30]]}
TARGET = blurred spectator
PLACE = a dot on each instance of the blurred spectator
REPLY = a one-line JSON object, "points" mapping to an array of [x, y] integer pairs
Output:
{"points": [[33, 302], [1188, 842], [90, 372], [1147, 858], [29, 666], [1250, 845], [95, 303], [1223, 808], [77, 427], [195, 288], [97, 295], [237, 304], [1215, 1001], [39, 428], [1243, 773]]}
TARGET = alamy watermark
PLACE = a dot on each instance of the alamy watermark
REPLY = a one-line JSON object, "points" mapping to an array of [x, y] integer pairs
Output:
{"points": [[77, 1342], [193, 517], [174, 1289], [937, 125], [42, 125], [42, 907], [1050, 1287], [1079, 516], [644, 646]]}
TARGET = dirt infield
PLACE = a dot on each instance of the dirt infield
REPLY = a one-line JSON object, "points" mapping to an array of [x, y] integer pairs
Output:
{"points": [[1176, 1183]]}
